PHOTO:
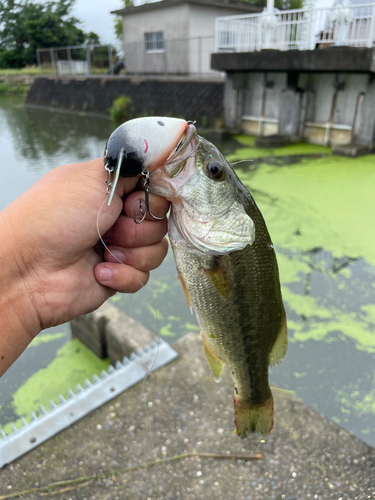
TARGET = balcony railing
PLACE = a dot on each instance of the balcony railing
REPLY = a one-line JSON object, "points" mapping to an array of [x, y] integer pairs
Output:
{"points": [[302, 29]]}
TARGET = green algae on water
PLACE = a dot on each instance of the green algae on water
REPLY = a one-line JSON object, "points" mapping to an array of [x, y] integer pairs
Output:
{"points": [[248, 150], [165, 331], [74, 363], [46, 337], [325, 202]]}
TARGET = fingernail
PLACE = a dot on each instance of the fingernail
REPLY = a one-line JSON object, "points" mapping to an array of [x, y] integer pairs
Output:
{"points": [[118, 254], [105, 274]]}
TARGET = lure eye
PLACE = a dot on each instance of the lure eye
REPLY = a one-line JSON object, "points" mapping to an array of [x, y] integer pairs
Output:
{"points": [[215, 170]]}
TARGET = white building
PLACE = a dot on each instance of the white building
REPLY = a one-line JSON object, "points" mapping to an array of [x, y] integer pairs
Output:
{"points": [[174, 36]]}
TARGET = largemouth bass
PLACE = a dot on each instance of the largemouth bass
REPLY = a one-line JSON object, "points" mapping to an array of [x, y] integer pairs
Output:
{"points": [[228, 269]]}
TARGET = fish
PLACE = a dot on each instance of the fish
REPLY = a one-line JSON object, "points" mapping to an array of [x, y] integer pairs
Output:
{"points": [[227, 265]]}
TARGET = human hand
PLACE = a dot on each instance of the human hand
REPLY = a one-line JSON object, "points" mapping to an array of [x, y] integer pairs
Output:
{"points": [[53, 268]]}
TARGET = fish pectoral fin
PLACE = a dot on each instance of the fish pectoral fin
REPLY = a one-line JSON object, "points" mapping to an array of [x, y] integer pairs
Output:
{"points": [[215, 363], [219, 278], [279, 348], [185, 291]]}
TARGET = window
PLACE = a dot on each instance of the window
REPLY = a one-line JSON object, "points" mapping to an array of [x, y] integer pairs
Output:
{"points": [[154, 42]]}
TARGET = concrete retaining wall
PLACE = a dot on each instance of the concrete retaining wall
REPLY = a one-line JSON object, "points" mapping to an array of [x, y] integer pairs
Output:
{"points": [[330, 108], [193, 100], [21, 79], [109, 332]]}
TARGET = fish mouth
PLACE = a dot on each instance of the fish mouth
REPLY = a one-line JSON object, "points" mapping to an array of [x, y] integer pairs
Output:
{"points": [[184, 149]]}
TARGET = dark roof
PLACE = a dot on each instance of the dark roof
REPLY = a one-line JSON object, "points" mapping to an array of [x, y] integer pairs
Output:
{"points": [[240, 6]]}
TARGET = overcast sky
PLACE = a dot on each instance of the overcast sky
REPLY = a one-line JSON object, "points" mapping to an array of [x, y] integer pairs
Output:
{"points": [[95, 16]]}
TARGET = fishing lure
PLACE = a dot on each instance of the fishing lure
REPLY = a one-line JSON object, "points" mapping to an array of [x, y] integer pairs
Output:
{"points": [[138, 147]]}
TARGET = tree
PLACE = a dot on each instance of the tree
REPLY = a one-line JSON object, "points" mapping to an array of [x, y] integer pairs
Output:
{"points": [[289, 4], [26, 26], [118, 20], [279, 4]]}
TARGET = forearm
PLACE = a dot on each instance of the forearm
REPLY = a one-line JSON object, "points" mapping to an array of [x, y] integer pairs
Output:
{"points": [[19, 322], [50, 261], [14, 337]]}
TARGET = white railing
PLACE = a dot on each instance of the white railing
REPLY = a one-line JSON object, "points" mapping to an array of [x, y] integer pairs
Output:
{"points": [[302, 29]]}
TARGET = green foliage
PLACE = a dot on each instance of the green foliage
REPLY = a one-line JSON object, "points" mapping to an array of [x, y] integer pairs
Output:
{"points": [[27, 26], [279, 4], [14, 88], [121, 109], [118, 20], [99, 59], [92, 38], [118, 27], [28, 70], [289, 4]]}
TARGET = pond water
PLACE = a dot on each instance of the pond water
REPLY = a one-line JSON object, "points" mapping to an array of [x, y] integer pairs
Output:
{"points": [[319, 210]]}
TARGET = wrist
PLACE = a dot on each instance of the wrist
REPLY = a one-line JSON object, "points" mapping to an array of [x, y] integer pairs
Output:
{"points": [[17, 306]]}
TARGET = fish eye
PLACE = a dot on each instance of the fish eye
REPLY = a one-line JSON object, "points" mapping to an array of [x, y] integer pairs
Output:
{"points": [[215, 170]]}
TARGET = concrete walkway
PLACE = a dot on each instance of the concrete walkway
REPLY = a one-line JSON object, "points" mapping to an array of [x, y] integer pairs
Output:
{"points": [[305, 456]]}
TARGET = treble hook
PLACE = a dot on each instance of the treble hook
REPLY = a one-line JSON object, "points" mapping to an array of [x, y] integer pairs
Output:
{"points": [[146, 186]]}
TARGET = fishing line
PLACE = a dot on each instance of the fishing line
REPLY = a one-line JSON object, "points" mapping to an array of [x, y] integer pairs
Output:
{"points": [[105, 246], [143, 389], [239, 161]]}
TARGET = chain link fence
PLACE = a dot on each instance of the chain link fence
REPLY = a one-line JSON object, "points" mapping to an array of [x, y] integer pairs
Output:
{"points": [[78, 60], [188, 57]]}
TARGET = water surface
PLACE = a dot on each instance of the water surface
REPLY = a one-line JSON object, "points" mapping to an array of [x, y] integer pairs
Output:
{"points": [[320, 212]]}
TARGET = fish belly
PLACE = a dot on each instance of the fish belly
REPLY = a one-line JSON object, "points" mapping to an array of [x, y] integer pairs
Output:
{"points": [[238, 304]]}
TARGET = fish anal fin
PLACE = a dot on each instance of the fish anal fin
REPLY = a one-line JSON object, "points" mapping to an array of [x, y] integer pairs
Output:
{"points": [[220, 279], [185, 291], [249, 418], [215, 363], [279, 348]]}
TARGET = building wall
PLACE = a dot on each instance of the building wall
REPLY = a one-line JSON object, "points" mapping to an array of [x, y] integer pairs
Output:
{"points": [[202, 36], [189, 31], [175, 25]]}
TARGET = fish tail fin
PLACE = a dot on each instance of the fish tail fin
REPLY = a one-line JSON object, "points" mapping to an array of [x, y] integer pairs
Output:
{"points": [[253, 418]]}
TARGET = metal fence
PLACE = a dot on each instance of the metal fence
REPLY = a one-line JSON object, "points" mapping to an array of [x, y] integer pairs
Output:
{"points": [[303, 29], [77, 59], [188, 57]]}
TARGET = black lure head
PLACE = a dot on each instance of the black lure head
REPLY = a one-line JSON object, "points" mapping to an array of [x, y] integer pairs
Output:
{"points": [[131, 162]]}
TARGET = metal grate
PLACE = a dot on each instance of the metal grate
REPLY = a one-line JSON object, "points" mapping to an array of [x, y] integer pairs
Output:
{"points": [[86, 399]]}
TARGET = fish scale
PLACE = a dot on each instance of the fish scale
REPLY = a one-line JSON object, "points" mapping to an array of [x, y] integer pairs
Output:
{"points": [[224, 256], [227, 264]]}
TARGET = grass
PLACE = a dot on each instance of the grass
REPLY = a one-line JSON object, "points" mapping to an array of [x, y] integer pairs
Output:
{"points": [[13, 88], [28, 70]]}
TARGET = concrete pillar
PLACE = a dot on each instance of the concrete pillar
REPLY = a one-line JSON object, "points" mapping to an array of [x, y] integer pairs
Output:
{"points": [[230, 98], [290, 110], [234, 100], [364, 121], [110, 332]]}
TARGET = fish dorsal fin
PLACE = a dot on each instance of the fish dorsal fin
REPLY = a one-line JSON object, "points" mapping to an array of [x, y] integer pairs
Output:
{"points": [[213, 361], [279, 348]]}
